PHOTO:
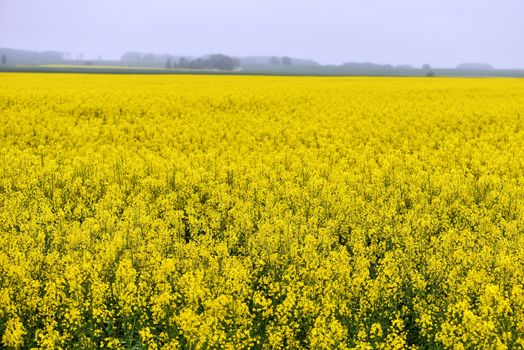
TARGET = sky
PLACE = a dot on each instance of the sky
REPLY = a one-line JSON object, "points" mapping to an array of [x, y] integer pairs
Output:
{"points": [[442, 33]]}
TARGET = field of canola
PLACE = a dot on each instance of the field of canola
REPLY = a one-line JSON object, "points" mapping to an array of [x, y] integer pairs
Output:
{"points": [[207, 212]]}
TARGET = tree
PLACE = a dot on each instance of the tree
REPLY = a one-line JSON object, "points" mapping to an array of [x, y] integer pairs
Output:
{"points": [[198, 63], [221, 62], [131, 56], [274, 60], [169, 65], [286, 61], [183, 62], [4, 59], [426, 66], [430, 74]]}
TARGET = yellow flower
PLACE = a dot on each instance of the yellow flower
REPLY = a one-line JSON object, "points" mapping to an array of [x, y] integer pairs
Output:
{"points": [[14, 333]]}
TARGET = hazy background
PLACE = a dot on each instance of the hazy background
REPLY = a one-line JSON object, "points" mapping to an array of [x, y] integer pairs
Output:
{"points": [[442, 33]]}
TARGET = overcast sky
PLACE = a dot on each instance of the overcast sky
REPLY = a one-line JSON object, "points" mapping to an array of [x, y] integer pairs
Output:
{"points": [[440, 32]]}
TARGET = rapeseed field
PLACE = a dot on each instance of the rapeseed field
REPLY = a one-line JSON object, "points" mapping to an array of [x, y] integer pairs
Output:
{"points": [[229, 212]]}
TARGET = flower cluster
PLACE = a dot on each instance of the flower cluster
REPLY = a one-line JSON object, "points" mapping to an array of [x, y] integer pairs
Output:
{"points": [[198, 212]]}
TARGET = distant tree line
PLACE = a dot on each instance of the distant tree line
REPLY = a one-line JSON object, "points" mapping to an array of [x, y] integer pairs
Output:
{"points": [[147, 58], [15, 56], [475, 66], [275, 60], [374, 66], [218, 61], [281, 60]]}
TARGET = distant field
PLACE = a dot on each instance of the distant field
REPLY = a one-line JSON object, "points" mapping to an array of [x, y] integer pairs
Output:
{"points": [[240, 212], [93, 69], [348, 71], [76, 66], [277, 70]]}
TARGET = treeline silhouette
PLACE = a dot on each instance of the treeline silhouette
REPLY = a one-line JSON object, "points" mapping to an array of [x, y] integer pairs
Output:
{"points": [[369, 65], [277, 64], [14, 56], [216, 61]]}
